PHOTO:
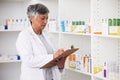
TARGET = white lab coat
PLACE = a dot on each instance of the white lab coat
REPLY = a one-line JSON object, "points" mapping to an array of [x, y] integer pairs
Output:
{"points": [[34, 55]]}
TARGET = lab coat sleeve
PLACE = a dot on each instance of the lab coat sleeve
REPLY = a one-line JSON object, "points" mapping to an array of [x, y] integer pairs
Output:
{"points": [[24, 48]]}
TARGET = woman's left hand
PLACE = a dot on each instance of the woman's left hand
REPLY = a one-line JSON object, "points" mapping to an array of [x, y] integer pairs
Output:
{"points": [[61, 63]]}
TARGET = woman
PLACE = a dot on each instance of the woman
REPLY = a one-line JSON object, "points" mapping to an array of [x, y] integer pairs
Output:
{"points": [[35, 48]]}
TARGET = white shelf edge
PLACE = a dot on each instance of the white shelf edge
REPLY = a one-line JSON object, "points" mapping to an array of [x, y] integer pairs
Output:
{"points": [[9, 61], [78, 71], [99, 35], [87, 74], [10, 30], [71, 33], [54, 32], [99, 77], [81, 34], [107, 36]]}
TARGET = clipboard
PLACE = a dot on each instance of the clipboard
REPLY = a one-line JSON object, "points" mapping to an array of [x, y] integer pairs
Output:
{"points": [[54, 61]]}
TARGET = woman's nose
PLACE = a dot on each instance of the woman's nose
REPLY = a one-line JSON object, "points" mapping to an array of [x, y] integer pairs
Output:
{"points": [[45, 21]]}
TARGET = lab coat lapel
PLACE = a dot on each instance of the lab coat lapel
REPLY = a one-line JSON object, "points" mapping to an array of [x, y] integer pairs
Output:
{"points": [[55, 71], [36, 38], [48, 40]]}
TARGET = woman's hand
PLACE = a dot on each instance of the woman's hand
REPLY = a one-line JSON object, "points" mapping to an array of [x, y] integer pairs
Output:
{"points": [[61, 63], [59, 52]]}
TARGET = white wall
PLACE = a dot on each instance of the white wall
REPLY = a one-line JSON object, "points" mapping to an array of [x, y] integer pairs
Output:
{"points": [[77, 9], [11, 9], [52, 6]]}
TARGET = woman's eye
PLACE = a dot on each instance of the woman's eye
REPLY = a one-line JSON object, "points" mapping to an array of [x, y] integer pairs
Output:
{"points": [[42, 18]]}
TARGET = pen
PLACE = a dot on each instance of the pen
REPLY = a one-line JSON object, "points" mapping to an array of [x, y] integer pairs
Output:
{"points": [[72, 47]]}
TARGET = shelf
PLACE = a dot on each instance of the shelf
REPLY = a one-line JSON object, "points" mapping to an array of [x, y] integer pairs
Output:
{"points": [[97, 35], [12, 0], [87, 74], [81, 34], [55, 32], [9, 61], [10, 30], [108, 36], [71, 33], [97, 76], [78, 71]]}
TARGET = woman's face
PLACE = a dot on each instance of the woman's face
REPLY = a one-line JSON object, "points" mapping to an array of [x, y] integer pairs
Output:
{"points": [[39, 21]]}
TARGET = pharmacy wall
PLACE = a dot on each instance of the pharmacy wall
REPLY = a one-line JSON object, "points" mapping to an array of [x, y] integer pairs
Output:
{"points": [[93, 26]]}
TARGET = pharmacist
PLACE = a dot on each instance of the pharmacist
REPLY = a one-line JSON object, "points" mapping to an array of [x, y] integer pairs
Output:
{"points": [[35, 48]]}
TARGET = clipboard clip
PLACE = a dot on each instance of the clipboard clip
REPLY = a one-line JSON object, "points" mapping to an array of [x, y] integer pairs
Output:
{"points": [[72, 47]]}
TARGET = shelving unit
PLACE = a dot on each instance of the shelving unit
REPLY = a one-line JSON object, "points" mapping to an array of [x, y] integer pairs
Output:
{"points": [[103, 48], [9, 61], [72, 11], [7, 48], [77, 75]]}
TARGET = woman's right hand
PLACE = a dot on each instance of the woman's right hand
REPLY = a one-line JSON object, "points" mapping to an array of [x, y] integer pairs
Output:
{"points": [[59, 52], [60, 63]]}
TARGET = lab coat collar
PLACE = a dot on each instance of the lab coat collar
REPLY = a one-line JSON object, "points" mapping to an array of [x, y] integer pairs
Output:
{"points": [[33, 31], [44, 33], [35, 36]]}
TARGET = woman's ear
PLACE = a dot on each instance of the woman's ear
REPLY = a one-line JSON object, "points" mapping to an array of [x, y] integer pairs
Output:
{"points": [[31, 18]]}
